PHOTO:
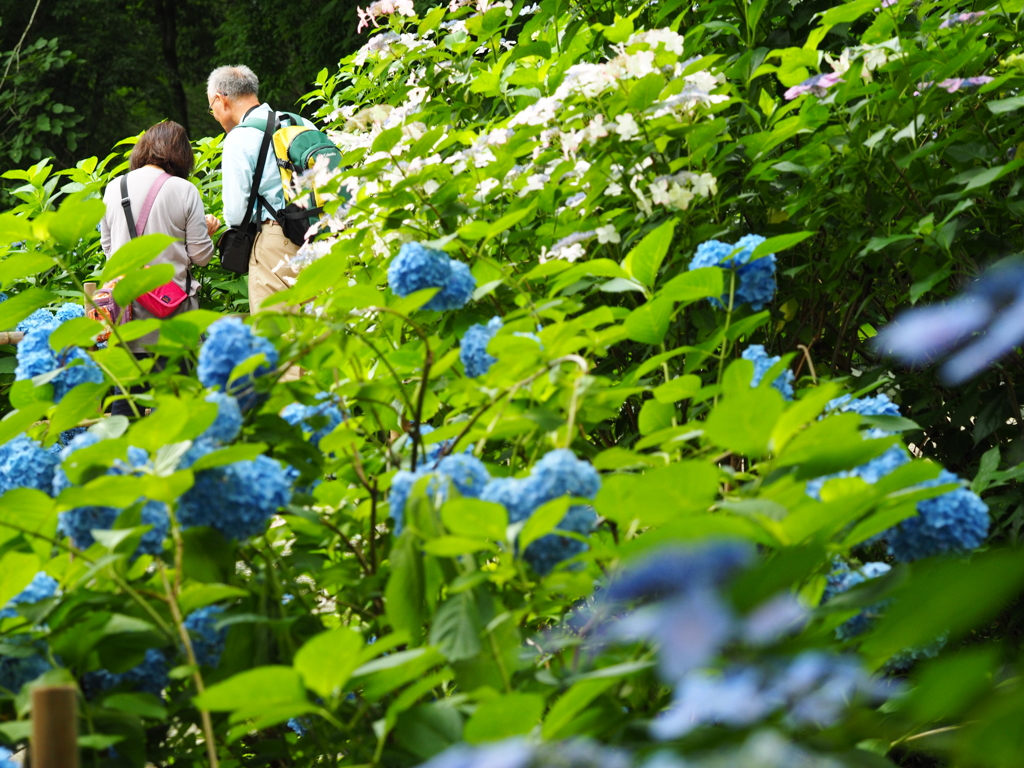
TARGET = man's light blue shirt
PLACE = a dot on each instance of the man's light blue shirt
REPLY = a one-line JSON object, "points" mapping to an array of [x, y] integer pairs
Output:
{"points": [[241, 150]]}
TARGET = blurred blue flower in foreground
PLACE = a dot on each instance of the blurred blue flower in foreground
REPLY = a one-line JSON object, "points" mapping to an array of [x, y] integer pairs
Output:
{"points": [[24, 464], [755, 280], [756, 354], [520, 753], [6, 754], [473, 351], [231, 342], [228, 423], [417, 267], [992, 307], [41, 587]]}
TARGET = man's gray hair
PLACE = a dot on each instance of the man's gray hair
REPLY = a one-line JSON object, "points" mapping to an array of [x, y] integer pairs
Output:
{"points": [[233, 82]]}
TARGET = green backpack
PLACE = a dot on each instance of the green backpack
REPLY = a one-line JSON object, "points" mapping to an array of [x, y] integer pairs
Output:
{"points": [[297, 147]]}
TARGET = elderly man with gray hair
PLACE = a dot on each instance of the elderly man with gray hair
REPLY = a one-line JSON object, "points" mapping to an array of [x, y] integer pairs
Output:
{"points": [[233, 95]]}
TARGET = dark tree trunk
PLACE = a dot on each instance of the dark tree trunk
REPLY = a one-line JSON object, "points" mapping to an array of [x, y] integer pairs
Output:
{"points": [[167, 18]]}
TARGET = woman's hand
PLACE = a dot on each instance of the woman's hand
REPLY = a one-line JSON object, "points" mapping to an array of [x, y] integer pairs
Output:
{"points": [[212, 224]]}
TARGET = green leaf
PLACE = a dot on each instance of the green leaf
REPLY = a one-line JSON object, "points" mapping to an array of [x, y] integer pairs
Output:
{"points": [[386, 140], [134, 255], [946, 595], [24, 512], [648, 323], [503, 717], [229, 455], [254, 691], [17, 308], [475, 519], [14, 228], [141, 704], [16, 571], [659, 495], [645, 92], [82, 402], [403, 595], [75, 220], [16, 422], [452, 546], [457, 627], [743, 421], [643, 261], [543, 520], [77, 332], [141, 281], [198, 595], [681, 388], [571, 704], [655, 415], [327, 660], [780, 243], [1002, 106], [692, 286], [831, 445]]}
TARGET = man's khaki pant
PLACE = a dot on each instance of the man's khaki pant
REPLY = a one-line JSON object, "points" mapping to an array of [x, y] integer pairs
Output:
{"points": [[268, 266]]}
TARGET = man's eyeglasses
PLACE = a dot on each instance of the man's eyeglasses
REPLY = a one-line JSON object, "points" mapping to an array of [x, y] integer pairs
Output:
{"points": [[210, 110]]}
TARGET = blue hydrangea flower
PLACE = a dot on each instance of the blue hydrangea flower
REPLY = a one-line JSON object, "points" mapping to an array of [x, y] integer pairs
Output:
{"points": [[228, 423], [3, 296], [755, 280], [432, 452], [207, 640], [148, 677], [237, 499], [756, 354], [229, 343], [467, 473], [64, 440], [69, 311], [870, 473], [457, 292], [325, 415], [417, 268], [296, 725], [16, 670], [35, 358], [41, 318], [41, 587], [24, 464], [844, 578], [473, 352], [560, 473], [80, 522], [879, 405], [5, 753], [511, 493], [548, 551], [956, 521]]}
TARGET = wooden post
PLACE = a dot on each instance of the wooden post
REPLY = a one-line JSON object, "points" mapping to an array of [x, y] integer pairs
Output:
{"points": [[54, 727], [90, 289]]}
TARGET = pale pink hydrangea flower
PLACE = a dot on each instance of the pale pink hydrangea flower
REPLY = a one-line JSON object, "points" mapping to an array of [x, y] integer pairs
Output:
{"points": [[962, 18], [816, 85]]}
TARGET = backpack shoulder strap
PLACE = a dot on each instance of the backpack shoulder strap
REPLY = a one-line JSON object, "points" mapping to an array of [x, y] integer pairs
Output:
{"points": [[257, 175], [126, 203]]}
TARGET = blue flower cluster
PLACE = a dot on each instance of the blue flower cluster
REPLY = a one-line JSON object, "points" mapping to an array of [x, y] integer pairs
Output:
{"points": [[41, 587], [207, 640], [319, 420], [956, 521], [24, 464], [417, 268], [5, 753], [843, 578], [148, 677], [36, 358], [473, 352], [520, 753], [466, 472], [756, 354], [237, 499], [228, 423], [755, 280], [80, 522], [64, 439], [685, 609], [558, 473], [879, 405], [229, 343], [23, 666]]}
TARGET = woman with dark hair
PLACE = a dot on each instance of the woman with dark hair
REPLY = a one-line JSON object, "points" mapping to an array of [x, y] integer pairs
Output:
{"points": [[155, 196]]}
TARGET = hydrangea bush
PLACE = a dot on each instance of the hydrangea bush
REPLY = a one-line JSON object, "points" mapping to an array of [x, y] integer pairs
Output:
{"points": [[590, 461]]}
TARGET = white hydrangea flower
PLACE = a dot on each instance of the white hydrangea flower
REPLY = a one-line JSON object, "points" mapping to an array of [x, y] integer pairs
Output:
{"points": [[614, 189], [608, 234], [484, 189], [705, 185], [626, 126]]}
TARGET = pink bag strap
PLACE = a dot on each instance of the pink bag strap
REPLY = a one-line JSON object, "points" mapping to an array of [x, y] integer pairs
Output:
{"points": [[147, 206]]}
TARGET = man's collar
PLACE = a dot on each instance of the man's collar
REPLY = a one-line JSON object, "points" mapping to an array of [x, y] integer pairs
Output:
{"points": [[249, 112]]}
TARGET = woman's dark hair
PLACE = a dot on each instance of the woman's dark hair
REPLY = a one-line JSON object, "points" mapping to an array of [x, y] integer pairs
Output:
{"points": [[166, 145]]}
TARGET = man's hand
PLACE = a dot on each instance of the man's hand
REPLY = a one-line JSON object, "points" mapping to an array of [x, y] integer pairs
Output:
{"points": [[212, 224]]}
